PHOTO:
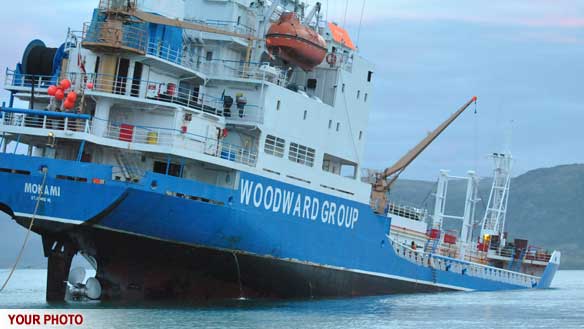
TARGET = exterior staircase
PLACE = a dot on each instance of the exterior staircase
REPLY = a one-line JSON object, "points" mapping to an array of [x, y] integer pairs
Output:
{"points": [[129, 165]]}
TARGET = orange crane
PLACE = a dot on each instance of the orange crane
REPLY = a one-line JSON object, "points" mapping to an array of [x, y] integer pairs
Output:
{"points": [[385, 180]]}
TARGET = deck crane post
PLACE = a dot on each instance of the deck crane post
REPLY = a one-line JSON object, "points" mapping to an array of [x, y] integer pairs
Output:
{"points": [[313, 12], [385, 180]]}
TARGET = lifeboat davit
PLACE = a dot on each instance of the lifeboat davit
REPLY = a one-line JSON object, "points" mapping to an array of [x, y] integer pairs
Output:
{"points": [[295, 42]]}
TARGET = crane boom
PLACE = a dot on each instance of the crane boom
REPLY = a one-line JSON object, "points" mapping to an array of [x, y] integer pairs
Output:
{"points": [[387, 178]]}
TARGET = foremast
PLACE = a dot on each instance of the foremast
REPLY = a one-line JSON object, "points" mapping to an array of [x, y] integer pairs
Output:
{"points": [[493, 223]]}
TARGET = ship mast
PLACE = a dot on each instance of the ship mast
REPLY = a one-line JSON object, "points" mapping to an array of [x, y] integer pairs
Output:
{"points": [[494, 220], [385, 180]]}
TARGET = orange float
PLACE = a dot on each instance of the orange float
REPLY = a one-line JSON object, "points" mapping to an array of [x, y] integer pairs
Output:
{"points": [[59, 94], [52, 90], [65, 84], [72, 97], [295, 42]]}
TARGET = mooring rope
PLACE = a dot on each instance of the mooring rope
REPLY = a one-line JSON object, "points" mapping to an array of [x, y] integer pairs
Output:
{"points": [[36, 208]]}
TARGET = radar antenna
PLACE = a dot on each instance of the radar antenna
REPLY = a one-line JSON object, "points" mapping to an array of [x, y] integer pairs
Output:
{"points": [[385, 180]]}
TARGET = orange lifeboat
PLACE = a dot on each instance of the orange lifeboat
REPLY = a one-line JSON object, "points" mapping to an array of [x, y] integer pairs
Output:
{"points": [[295, 42]]}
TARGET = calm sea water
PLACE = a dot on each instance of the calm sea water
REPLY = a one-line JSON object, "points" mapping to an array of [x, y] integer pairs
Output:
{"points": [[561, 307]]}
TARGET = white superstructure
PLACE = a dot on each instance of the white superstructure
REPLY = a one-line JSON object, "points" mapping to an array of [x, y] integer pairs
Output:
{"points": [[166, 92]]}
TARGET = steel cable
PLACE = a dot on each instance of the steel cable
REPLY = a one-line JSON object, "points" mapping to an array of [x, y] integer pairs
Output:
{"points": [[36, 208]]}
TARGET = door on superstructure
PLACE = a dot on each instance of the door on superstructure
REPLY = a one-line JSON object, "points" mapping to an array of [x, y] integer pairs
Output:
{"points": [[211, 141], [137, 79], [122, 76], [195, 95], [105, 68]]}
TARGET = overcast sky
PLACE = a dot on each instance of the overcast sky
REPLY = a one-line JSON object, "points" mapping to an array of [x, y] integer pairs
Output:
{"points": [[523, 59]]}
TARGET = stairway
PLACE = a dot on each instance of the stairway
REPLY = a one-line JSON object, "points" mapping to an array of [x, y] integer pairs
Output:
{"points": [[515, 263], [129, 165], [435, 242], [434, 272], [430, 248]]}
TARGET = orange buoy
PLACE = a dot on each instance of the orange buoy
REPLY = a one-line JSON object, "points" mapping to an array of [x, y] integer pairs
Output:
{"points": [[72, 96], [65, 84], [90, 85], [68, 104], [59, 94], [52, 90], [296, 43]]}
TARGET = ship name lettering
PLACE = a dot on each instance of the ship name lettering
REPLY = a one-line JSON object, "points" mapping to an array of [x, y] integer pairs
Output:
{"points": [[303, 206], [49, 190]]}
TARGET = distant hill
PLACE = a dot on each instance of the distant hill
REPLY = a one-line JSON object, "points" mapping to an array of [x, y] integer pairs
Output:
{"points": [[546, 206]]}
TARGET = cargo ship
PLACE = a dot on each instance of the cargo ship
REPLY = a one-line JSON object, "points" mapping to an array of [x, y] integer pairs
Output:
{"points": [[199, 150]]}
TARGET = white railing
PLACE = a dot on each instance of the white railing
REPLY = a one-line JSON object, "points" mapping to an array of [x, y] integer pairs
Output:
{"points": [[217, 67], [228, 26], [153, 136], [407, 211], [447, 264], [15, 81], [47, 120], [132, 134], [531, 253], [153, 90], [144, 89], [244, 70], [173, 138], [170, 93], [250, 113]]}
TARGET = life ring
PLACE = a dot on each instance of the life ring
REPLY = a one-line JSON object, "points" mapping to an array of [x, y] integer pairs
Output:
{"points": [[331, 58]]}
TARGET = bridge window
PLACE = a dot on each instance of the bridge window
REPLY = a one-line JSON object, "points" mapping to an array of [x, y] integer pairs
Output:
{"points": [[301, 154], [275, 146], [339, 166]]}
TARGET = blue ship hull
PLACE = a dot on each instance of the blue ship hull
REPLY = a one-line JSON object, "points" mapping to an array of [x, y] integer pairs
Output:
{"points": [[170, 238]]}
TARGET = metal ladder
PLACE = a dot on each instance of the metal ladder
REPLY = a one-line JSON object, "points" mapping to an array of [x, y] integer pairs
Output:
{"points": [[434, 244], [515, 264], [129, 165], [434, 275]]}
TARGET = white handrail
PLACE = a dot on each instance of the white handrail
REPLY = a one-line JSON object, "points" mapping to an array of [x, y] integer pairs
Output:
{"points": [[456, 265]]}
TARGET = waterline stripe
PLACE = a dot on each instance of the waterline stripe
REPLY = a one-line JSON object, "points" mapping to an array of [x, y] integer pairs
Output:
{"points": [[49, 218]]}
